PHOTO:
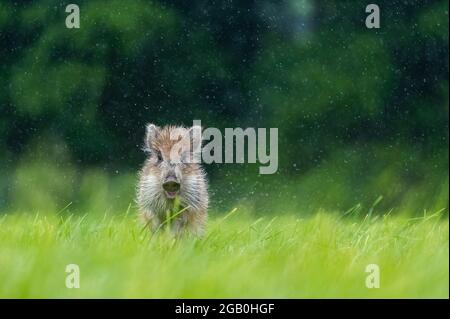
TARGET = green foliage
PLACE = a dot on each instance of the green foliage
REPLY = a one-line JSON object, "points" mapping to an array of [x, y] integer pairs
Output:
{"points": [[348, 179], [363, 150], [332, 87], [240, 257]]}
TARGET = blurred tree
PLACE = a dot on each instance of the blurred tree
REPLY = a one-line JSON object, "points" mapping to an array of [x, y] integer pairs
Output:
{"points": [[310, 68], [345, 84]]}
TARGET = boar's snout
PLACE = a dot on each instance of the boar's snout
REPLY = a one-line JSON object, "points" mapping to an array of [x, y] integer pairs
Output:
{"points": [[171, 184]]}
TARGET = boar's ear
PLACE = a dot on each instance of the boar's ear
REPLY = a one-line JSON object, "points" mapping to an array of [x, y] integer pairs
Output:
{"points": [[195, 136], [151, 132]]}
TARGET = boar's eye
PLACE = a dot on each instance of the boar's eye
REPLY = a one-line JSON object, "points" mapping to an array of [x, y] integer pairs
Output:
{"points": [[158, 156]]}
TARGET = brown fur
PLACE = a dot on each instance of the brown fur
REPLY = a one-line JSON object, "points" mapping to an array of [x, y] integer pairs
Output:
{"points": [[154, 203]]}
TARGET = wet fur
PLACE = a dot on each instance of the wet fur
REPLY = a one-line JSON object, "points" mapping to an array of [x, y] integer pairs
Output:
{"points": [[152, 201]]}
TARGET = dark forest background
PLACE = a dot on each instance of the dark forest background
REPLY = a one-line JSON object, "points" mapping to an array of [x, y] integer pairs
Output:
{"points": [[362, 113]]}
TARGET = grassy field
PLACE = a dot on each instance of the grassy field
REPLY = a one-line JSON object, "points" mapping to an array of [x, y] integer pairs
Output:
{"points": [[324, 255]]}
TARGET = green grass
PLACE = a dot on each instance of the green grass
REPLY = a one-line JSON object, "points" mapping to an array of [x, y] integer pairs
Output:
{"points": [[321, 256]]}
